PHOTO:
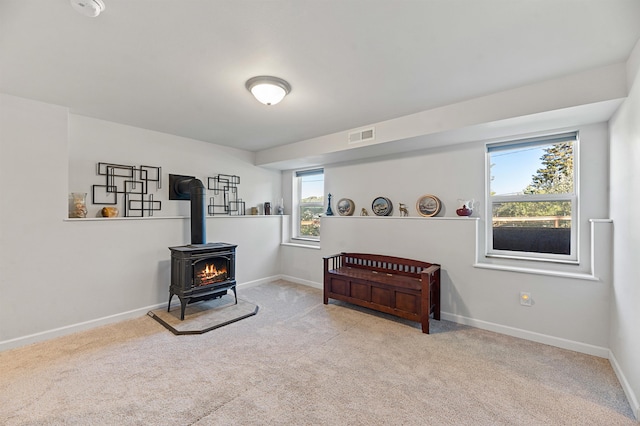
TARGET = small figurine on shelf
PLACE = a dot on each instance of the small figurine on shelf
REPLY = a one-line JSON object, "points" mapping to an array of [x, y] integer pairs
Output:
{"points": [[364, 212], [403, 210], [329, 212]]}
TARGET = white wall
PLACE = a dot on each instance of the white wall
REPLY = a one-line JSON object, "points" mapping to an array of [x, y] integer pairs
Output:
{"points": [[567, 312], [625, 202], [59, 275], [33, 262]]}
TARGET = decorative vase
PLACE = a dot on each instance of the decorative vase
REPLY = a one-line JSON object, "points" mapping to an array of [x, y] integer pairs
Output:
{"points": [[78, 205], [466, 207]]}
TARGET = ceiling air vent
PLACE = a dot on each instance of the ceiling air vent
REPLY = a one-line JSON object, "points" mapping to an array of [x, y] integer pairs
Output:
{"points": [[362, 135]]}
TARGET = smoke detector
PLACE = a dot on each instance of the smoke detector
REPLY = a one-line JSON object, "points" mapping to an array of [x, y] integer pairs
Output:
{"points": [[90, 8]]}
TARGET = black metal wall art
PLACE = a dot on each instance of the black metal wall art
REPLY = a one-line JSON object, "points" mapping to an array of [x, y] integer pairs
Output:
{"points": [[132, 182], [225, 194]]}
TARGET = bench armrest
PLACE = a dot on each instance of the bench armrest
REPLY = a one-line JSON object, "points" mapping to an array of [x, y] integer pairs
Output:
{"points": [[332, 262], [431, 269]]}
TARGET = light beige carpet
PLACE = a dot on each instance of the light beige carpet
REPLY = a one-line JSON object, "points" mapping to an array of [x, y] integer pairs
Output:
{"points": [[299, 362]]}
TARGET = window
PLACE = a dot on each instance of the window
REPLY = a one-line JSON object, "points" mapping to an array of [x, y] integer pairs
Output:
{"points": [[308, 201], [532, 199]]}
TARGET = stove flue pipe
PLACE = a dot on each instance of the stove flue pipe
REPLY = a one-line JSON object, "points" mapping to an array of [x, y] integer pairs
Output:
{"points": [[197, 194]]}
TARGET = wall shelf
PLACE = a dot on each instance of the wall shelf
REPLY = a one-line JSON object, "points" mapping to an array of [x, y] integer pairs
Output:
{"points": [[402, 218], [111, 219]]}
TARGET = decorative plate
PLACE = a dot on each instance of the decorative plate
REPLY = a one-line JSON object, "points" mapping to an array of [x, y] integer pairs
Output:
{"points": [[345, 207], [382, 206], [428, 205]]}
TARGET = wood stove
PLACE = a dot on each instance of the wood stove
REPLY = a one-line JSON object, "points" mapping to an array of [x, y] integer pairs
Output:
{"points": [[202, 272]]}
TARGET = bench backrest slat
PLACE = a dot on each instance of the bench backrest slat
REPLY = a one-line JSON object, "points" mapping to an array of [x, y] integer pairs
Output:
{"points": [[384, 264]]}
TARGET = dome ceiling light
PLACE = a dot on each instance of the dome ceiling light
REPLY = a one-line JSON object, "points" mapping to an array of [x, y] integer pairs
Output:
{"points": [[90, 8], [268, 90]]}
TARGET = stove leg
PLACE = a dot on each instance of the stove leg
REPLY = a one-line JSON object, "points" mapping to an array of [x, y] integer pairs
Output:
{"points": [[170, 297], [235, 294], [183, 305]]}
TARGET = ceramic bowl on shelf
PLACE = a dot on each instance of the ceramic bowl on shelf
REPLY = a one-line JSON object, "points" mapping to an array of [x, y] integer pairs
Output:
{"points": [[465, 207], [109, 212]]}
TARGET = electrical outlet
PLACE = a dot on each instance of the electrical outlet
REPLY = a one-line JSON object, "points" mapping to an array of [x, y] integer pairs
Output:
{"points": [[525, 298]]}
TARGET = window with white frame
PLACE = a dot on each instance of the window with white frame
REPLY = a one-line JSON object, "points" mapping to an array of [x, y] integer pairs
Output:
{"points": [[532, 198], [308, 203]]}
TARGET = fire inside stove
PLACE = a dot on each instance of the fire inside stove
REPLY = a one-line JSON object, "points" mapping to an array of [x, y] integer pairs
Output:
{"points": [[212, 271]]}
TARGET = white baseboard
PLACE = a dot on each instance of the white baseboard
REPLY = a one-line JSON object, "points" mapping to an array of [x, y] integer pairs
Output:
{"points": [[74, 328], [529, 335], [258, 282], [631, 396], [301, 281]]}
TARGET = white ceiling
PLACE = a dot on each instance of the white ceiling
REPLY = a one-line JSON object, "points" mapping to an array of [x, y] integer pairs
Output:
{"points": [[179, 66]]}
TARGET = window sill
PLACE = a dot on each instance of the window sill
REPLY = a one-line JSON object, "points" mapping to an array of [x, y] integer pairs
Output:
{"points": [[533, 259], [561, 274], [299, 245], [600, 241]]}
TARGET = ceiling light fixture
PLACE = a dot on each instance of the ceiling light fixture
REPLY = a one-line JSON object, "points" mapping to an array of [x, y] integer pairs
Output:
{"points": [[90, 8], [268, 90]]}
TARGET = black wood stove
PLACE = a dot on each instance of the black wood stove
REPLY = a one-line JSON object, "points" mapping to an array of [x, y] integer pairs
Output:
{"points": [[199, 271]]}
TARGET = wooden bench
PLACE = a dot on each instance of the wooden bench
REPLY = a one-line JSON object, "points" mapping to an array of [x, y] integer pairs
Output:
{"points": [[405, 288]]}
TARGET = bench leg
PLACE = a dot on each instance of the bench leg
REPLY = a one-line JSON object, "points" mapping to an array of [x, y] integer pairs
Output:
{"points": [[426, 310], [425, 326], [325, 289], [436, 296]]}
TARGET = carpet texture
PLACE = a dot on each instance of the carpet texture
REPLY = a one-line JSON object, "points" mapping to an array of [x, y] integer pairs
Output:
{"points": [[299, 362], [205, 316]]}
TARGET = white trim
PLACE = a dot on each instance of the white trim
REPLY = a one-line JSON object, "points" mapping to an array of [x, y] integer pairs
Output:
{"points": [[302, 282], [591, 275], [74, 328], [559, 342], [626, 387], [258, 282], [578, 276], [305, 241], [307, 246]]}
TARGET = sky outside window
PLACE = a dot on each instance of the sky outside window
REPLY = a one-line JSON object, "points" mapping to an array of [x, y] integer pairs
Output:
{"points": [[512, 171], [312, 185]]}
